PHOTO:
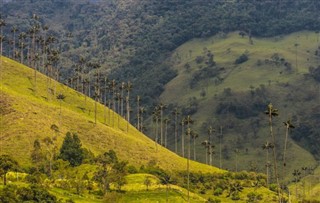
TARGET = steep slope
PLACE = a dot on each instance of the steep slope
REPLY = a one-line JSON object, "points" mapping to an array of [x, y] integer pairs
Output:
{"points": [[28, 112], [235, 95]]}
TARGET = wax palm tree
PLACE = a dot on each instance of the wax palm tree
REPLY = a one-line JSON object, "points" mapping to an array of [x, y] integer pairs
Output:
{"points": [[288, 126], [296, 173], [194, 136], [128, 89], [118, 99], [175, 112], [272, 112], [122, 88], [182, 136], [33, 31], [220, 149], [96, 96], [206, 145], [2, 24], [161, 108], [267, 146], [14, 30], [210, 133], [105, 95], [188, 121], [22, 44], [60, 97], [166, 121], [156, 114], [142, 111], [138, 112], [113, 86]]}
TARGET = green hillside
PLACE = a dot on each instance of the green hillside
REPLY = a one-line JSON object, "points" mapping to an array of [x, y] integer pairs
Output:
{"points": [[27, 115], [234, 96]]}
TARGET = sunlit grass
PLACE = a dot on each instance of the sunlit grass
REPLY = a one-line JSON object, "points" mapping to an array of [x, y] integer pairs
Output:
{"points": [[32, 114]]}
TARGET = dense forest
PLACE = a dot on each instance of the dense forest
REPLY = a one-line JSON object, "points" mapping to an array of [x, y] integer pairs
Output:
{"points": [[133, 37]]}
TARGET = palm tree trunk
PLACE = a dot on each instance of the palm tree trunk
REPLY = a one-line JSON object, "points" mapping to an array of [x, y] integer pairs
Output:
{"points": [[267, 166], [194, 149], [274, 156], [166, 135], [220, 150], [284, 152], [182, 140], [188, 162], [161, 129], [175, 134]]}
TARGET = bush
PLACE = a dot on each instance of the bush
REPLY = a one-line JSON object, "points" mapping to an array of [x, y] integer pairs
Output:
{"points": [[218, 191], [241, 59]]}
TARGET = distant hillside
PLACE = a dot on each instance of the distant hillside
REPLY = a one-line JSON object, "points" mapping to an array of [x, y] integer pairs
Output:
{"points": [[27, 115], [218, 90], [132, 38]]}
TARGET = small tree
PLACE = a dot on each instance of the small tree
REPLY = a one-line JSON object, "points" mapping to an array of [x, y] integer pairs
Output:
{"points": [[6, 164], [147, 182], [71, 149]]}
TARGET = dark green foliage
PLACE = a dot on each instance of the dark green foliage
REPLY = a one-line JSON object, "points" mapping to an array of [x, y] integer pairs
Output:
{"points": [[315, 73], [210, 200], [202, 74], [254, 197], [192, 107], [71, 150], [35, 193], [7, 164], [32, 193], [218, 191], [143, 39], [241, 59], [111, 170]]}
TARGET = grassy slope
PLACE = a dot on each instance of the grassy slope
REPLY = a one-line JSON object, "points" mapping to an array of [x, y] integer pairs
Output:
{"points": [[240, 78], [29, 116]]}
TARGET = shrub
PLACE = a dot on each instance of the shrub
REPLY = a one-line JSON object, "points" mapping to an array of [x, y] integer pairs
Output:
{"points": [[241, 59], [218, 191]]}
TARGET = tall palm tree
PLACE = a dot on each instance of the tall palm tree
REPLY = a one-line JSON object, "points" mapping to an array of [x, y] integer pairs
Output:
{"points": [[14, 30], [142, 111], [194, 136], [288, 126], [182, 136], [175, 112], [266, 146], [206, 145], [161, 108], [166, 121], [33, 31], [2, 24], [272, 112], [296, 173], [128, 89], [122, 88], [60, 97], [113, 85], [22, 44], [155, 114], [220, 149], [188, 121], [96, 96], [138, 112], [210, 132]]}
